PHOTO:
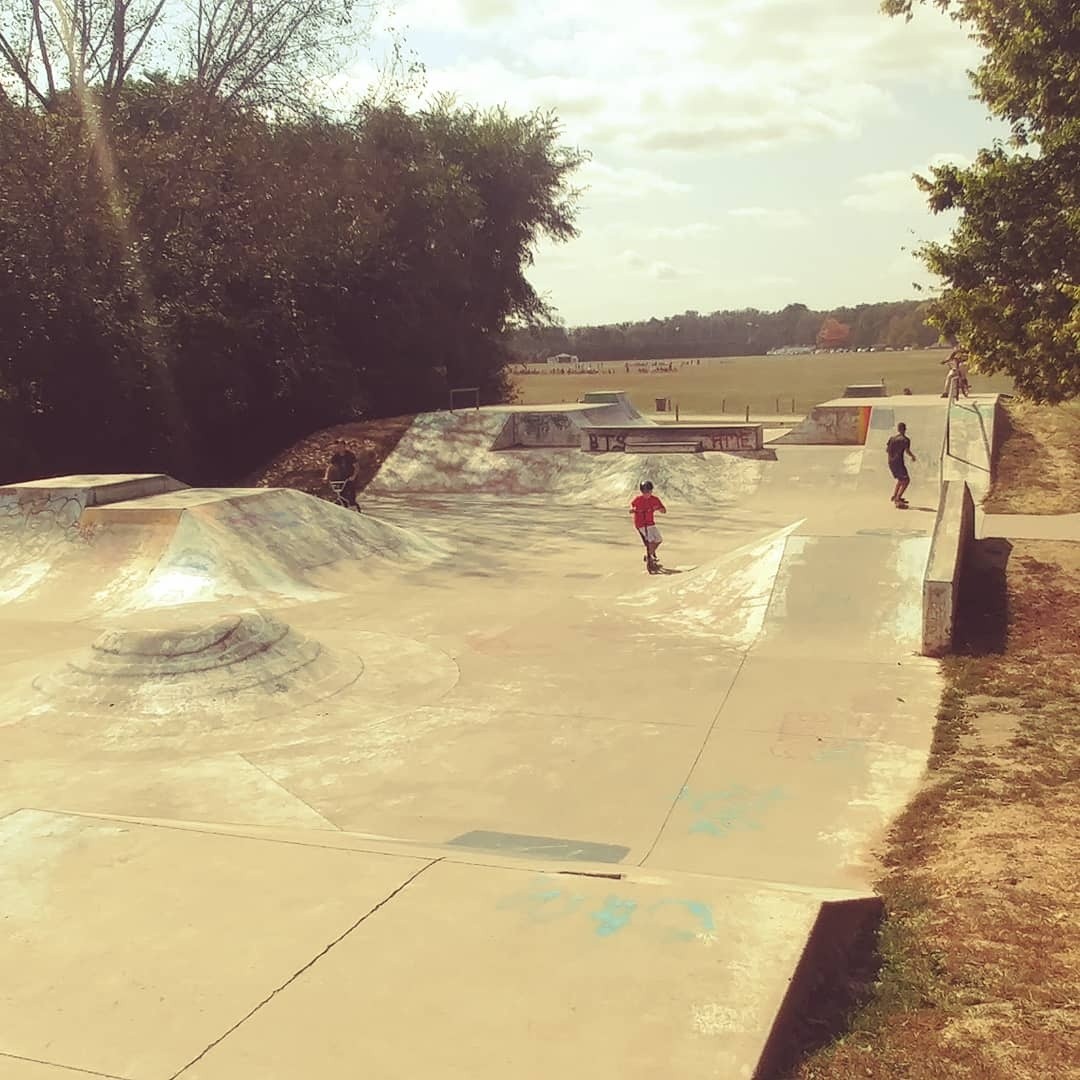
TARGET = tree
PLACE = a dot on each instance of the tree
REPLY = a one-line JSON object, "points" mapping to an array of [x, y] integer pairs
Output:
{"points": [[833, 334], [223, 282], [1012, 265], [269, 53]]}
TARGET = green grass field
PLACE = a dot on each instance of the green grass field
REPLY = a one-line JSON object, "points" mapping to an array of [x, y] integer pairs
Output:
{"points": [[757, 381]]}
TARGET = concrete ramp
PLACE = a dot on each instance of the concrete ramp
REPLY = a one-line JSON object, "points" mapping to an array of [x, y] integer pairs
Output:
{"points": [[823, 734], [549, 426], [836, 423], [69, 556], [451, 453]]}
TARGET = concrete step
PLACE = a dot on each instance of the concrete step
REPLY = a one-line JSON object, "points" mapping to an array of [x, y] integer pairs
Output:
{"points": [[663, 447]]}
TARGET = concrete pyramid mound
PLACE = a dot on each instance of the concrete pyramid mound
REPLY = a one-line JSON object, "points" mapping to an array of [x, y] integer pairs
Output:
{"points": [[73, 552], [453, 453]]}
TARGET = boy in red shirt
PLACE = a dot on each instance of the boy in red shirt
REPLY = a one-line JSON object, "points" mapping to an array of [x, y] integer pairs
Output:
{"points": [[643, 507]]}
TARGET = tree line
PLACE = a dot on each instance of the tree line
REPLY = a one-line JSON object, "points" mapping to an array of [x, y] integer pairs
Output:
{"points": [[197, 268], [745, 332]]}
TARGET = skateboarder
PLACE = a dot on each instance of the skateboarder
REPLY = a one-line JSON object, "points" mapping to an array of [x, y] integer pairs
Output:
{"points": [[644, 507], [897, 446]]}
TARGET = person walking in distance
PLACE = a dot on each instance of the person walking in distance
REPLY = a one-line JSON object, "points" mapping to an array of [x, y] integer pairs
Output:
{"points": [[897, 446], [644, 507]]}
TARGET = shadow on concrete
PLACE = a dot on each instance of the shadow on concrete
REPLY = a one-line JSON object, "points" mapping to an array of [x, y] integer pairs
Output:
{"points": [[983, 611], [835, 976]]}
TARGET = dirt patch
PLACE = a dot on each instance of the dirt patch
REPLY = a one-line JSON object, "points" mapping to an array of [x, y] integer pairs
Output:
{"points": [[980, 948], [1038, 471], [303, 464]]}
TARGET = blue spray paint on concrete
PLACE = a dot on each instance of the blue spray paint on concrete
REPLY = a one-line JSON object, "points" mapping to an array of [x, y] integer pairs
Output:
{"points": [[718, 813], [546, 903], [613, 916]]}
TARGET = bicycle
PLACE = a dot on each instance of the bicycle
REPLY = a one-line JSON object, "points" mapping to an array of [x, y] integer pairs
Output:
{"points": [[338, 489]]}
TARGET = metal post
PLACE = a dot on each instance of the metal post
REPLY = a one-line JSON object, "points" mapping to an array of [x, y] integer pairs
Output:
{"points": [[748, 414], [723, 406], [792, 406], [676, 412], [777, 406]]}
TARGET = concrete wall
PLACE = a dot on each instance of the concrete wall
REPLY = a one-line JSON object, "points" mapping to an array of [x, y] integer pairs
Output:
{"points": [[831, 425], [538, 429], [731, 438], [954, 532], [864, 390]]}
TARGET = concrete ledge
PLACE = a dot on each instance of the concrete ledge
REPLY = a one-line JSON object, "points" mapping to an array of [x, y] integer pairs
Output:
{"points": [[838, 942], [94, 490], [954, 532], [732, 438]]}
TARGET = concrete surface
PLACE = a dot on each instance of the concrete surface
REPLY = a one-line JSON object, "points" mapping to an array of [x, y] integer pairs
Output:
{"points": [[244, 720]]}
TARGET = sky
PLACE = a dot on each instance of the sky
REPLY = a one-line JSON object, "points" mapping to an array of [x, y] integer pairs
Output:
{"points": [[743, 153]]}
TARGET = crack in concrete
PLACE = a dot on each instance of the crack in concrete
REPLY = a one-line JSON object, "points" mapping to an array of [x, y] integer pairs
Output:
{"points": [[58, 1065], [296, 974]]}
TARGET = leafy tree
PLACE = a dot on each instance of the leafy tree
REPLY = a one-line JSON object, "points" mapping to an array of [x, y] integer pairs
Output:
{"points": [[833, 334], [1012, 265], [187, 284]]}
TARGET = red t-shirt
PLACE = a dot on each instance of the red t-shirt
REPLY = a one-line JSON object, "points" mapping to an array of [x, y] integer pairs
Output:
{"points": [[645, 507]]}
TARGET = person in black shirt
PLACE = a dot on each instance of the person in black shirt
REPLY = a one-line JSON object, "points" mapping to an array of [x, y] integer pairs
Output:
{"points": [[896, 448], [342, 469]]}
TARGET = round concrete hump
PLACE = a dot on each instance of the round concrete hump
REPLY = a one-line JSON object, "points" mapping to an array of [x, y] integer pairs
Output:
{"points": [[229, 641], [176, 665]]}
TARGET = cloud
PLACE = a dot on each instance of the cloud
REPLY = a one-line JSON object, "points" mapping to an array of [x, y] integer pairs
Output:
{"points": [[681, 76], [483, 11], [664, 271], [654, 268], [770, 217], [689, 231], [894, 191], [612, 182]]}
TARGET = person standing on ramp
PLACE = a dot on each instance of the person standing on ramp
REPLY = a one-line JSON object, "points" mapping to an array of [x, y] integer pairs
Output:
{"points": [[896, 448], [644, 507]]}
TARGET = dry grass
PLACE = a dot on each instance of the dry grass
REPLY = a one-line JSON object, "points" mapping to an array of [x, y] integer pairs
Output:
{"points": [[1039, 471], [980, 948], [757, 381]]}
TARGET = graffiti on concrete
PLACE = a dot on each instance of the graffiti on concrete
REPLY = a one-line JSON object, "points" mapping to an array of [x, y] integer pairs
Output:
{"points": [[732, 809], [538, 426], [734, 440], [727, 439], [672, 919], [607, 443]]}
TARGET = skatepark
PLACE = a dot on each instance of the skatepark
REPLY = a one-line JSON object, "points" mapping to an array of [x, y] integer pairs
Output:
{"points": [[453, 788]]}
